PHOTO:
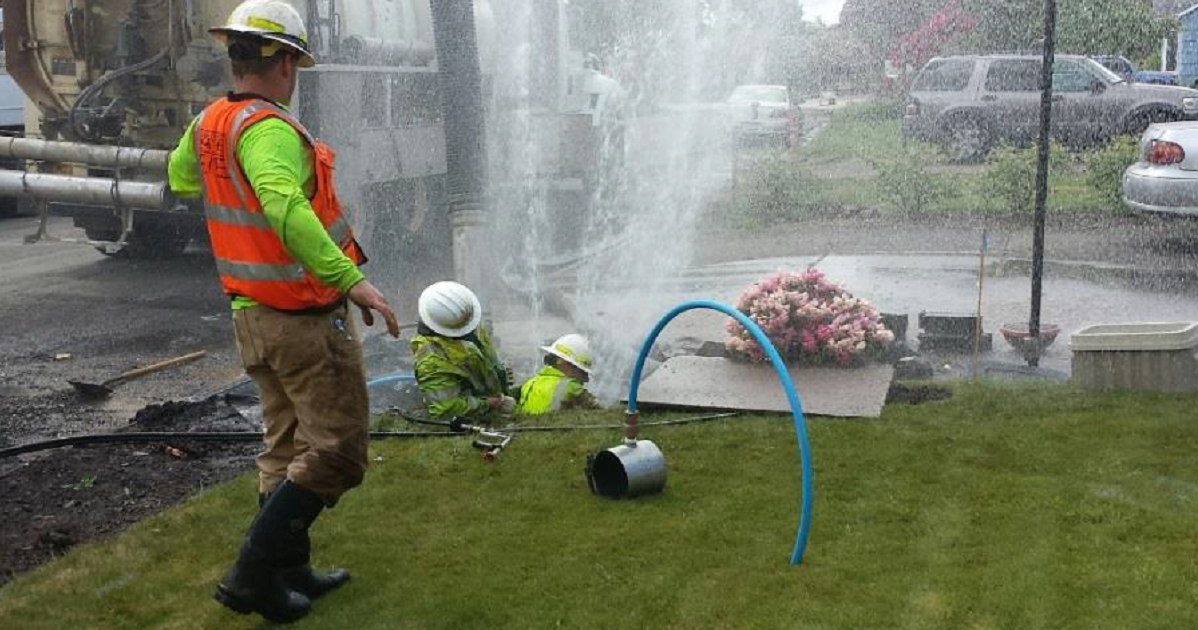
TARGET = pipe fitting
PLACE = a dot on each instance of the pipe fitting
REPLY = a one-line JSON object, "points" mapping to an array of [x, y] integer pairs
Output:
{"points": [[631, 427]]}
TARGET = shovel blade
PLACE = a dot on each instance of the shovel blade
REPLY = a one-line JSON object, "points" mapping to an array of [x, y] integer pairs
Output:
{"points": [[91, 390]]}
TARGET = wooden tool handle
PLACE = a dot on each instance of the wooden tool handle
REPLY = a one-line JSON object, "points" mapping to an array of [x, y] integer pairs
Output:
{"points": [[142, 371]]}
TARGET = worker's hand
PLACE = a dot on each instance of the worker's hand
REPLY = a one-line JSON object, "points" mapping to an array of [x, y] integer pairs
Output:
{"points": [[369, 298], [503, 404]]}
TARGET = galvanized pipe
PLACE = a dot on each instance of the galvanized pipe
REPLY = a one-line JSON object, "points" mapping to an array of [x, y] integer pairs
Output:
{"points": [[373, 50], [101, 191], [80, 153]]}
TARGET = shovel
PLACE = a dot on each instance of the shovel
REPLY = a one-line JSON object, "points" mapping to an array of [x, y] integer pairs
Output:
{"points": [[104, 390]]}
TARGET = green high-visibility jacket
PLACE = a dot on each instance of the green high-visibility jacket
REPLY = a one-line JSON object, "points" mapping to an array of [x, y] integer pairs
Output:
{"points": [[551, 390], [457, 376]]}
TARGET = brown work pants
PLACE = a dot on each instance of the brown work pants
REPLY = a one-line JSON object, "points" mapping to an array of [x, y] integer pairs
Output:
{"points": [[309, 372]]}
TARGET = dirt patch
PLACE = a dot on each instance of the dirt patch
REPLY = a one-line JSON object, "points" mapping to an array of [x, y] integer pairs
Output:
{"points": [[26, 414], [56, 499], [916, 394]]}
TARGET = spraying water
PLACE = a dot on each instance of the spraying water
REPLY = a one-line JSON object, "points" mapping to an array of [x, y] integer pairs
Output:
{"points": [[595, 210]]}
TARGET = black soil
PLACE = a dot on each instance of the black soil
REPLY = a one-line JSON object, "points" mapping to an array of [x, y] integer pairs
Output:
{"points": [[56, 499], [900, 393]]}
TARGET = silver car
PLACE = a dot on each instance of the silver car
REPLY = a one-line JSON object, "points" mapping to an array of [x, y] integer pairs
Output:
{"points": [[1165, 179], [761, 112]]}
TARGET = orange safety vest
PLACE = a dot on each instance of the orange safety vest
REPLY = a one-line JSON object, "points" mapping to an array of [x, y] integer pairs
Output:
{"points": [[250, 257]]}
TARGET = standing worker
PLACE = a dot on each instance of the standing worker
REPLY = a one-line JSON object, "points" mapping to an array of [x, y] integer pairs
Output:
{"points": [[457, 368], [560, 384], [288, 260]]}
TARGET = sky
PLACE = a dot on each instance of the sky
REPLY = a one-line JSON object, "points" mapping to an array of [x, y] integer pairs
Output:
{"points": [[827, 10]]}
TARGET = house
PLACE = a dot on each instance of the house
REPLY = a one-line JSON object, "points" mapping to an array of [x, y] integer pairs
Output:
{"points": [[1187, 46]]}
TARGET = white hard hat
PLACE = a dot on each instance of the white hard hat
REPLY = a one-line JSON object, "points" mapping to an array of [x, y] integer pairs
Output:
{"points": [[573, 349], [450, 309], [274, 20]]}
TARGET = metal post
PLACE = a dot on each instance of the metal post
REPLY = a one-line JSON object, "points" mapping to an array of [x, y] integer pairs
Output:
{"points": [[1033, 327], [977, 329]]}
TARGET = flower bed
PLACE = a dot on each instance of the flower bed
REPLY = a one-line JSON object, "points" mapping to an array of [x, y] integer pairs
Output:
{"points": [[810, 320]]}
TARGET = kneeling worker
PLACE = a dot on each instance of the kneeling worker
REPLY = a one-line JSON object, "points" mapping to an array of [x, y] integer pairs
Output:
{"points": [[559, 385], [457, 368]]}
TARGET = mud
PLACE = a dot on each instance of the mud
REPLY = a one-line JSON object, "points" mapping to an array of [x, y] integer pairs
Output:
{"points": [[54, 500]]}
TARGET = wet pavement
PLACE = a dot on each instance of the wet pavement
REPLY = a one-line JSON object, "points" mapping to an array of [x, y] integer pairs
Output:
{"points": [[1075, 294], [71, 313]]}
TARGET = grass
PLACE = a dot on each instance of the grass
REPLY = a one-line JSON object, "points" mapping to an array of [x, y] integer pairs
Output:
{"points": [[1009, 506], [850, 137], [859, 135], [1069, 194]]}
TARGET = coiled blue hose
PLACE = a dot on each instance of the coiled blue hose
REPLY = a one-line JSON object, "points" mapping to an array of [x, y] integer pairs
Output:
{"points": [[779, 366]]}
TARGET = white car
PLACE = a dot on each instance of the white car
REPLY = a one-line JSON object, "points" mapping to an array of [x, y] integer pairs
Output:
{"points": [[1165, 179], [761, 112]]}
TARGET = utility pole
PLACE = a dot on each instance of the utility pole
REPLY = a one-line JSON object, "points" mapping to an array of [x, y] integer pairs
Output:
{"points": [[1033, 327]]}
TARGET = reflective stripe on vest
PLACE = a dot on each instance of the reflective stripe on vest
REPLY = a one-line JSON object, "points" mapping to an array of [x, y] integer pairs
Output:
{"points": [[250, 258], [478, 386], [442, 395]]}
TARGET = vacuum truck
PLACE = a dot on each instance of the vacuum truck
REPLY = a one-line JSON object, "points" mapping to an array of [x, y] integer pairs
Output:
{"points": [[113, 84]]}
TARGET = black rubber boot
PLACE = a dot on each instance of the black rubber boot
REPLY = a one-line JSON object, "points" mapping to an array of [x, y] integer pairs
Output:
{"points": [[304, 579], [312, 583], [277, 539], [254, 586]]}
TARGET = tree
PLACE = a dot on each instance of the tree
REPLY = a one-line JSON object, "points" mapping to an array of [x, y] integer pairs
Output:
{"points": [[1084, 27], [881, 23]]}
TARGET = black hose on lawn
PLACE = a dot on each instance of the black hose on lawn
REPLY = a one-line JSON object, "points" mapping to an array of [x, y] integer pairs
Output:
{"points": [[143, 438], [252, 436], [582, 427]]}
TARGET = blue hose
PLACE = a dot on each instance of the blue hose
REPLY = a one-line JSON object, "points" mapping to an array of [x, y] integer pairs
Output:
{"points": [[779, 366], [398, 377]]}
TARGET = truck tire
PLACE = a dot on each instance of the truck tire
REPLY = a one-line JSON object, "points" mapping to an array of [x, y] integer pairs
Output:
{"points": [[155, 241], [1138, 122], [966, 140], [150, 239], [9, 206]]}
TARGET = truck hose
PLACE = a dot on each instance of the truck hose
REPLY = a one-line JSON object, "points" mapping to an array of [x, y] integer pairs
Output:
{"points": [[90, 91]]}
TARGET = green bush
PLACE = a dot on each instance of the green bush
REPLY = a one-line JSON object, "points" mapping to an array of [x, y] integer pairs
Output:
{"points": [[881, 109], [904, 181], [773, 190], [1104, 168], [1010, 175]]}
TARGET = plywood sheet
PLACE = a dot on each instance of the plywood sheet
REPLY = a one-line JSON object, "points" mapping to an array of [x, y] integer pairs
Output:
{"points": [[718, 383]]}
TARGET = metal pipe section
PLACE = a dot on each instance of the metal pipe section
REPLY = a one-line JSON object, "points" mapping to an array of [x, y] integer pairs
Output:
{"points": [[101, 191], [387, 52], [80, 153]]}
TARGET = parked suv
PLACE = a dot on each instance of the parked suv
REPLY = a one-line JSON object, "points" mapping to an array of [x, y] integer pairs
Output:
{"points": [[969, 103]]}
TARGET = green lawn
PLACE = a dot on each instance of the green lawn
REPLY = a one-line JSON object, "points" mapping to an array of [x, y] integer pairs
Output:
{"points": [[1009, 506], [825, 176]]}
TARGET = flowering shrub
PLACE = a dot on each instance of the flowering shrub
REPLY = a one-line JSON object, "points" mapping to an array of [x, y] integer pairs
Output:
{"points": [[809, 319]]}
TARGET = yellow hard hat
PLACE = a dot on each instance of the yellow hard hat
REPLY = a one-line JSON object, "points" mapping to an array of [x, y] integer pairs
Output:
{"points": [[273, 20], [573, 349]]}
